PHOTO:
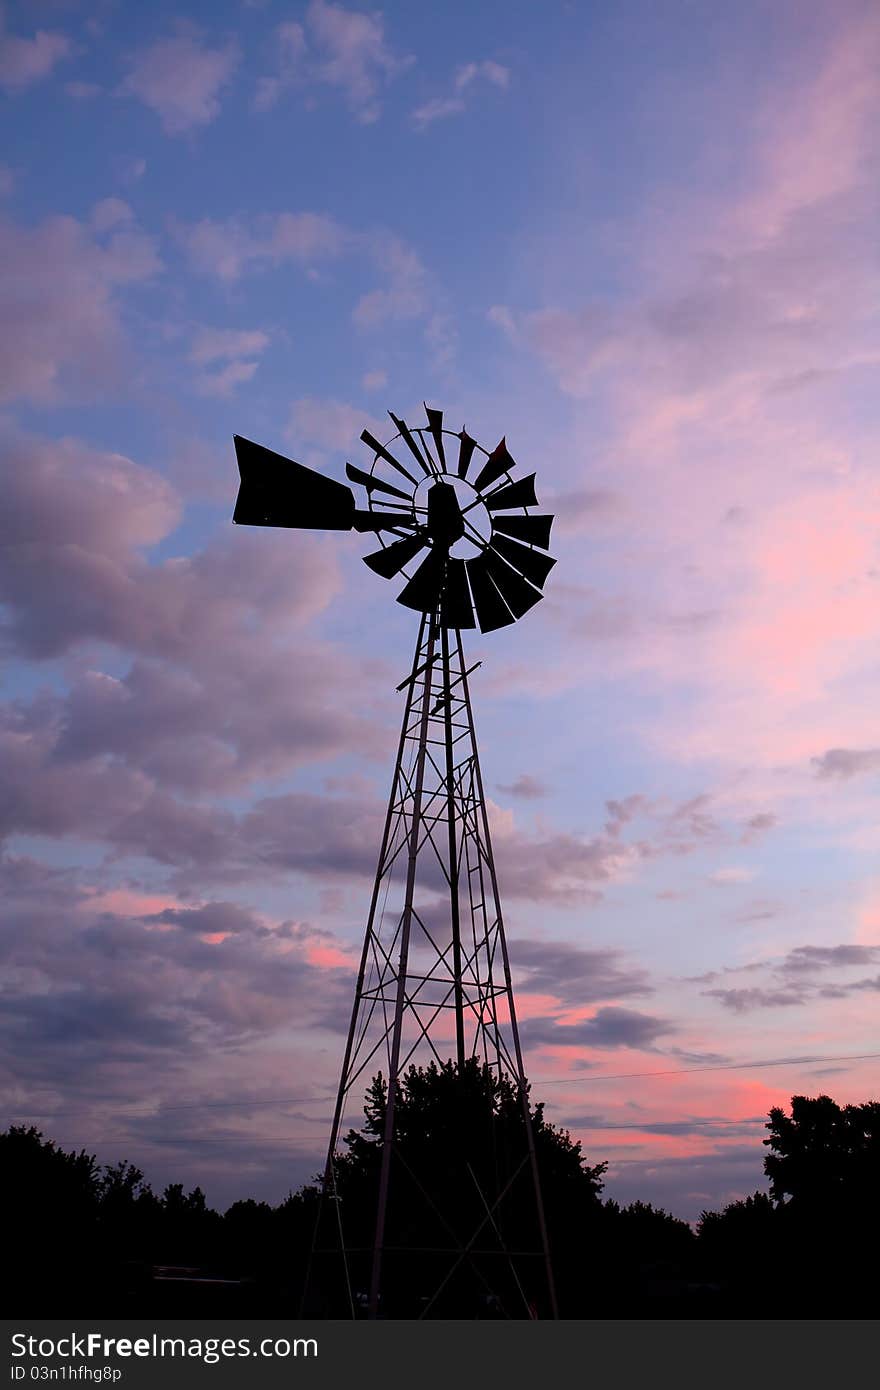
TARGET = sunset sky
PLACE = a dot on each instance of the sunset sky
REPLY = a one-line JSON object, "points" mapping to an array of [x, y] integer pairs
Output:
{"points": [[640, 239]]}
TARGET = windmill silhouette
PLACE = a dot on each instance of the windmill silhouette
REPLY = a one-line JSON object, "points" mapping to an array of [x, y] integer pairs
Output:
{"points": [[434, 975]]}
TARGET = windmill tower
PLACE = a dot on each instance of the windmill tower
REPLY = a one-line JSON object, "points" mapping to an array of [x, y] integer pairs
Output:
{"points": [[434, 981]]}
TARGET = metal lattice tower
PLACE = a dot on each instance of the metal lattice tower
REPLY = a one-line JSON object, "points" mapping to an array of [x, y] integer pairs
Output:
{"points": [[434, 983]]}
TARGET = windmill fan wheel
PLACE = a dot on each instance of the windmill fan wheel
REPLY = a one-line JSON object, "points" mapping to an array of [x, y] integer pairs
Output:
{"points": [[459, 524]]}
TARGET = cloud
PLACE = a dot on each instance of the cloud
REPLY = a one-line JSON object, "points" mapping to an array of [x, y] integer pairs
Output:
{"points": [[870, 984], [291, 47], [406, 294], [210, 920], [60, 302], [575, 974], [580, 508], [526, 786], [25, 61], [353, 55], [843, 763], [689, 1184], [622, 812], [744, 1000], [332, 425], [335, 47], [180, 79], [76, 521], [133, 170], [555, 866], [232, 248], [717, 393], [609, 1027], [732, 873], [808, 959], [82, 91], [440, 108], [207, 651], [755, 826], [155, 997], [110, 213], [237, 351], [792, 980]]}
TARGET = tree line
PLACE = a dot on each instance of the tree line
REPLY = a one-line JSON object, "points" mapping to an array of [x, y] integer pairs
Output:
{"points": [[84, 1238]]}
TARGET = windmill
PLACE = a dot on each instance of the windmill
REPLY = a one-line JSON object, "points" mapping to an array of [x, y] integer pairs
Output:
{"points": [[460, 533]]}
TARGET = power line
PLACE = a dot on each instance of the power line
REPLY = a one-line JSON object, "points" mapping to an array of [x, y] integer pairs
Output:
{"points": [[541, 1081], [688, 1071], [647, 1126], [188, 1105]]}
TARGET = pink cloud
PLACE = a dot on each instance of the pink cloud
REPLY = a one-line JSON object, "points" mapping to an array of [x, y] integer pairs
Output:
{"points": [[64, 335], [335, 47], [331, 425], [330, 958], [406, 289], [736, 379], [229, 249], [455, 101], [352, 55], [25, 61], [125, 902], [227, 358], [181, 79]]}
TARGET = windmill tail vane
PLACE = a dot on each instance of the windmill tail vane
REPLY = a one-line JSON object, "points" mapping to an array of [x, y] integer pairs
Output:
{"points": [[460, 532]]}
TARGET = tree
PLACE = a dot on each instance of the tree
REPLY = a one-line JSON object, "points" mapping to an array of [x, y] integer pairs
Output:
{"points": [[741, 1248], [461, 1179], [809, 1246], [825, 1156]]}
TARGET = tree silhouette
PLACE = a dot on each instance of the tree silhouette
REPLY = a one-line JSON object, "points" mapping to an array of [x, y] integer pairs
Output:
{"points": [[824, 1155], [88, 1238], [810, 1245], [462, 1183]]}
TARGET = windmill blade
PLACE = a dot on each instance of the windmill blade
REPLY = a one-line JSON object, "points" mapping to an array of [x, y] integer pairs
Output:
{"points": [[435, 425], [372, 442], [276, 491], [391, 559], [409, 441], [424, 589], [383, 521], [456, 609], [369, 481], [465, 451], [498, 462], [530, 563], [492, 611], [535, 530], [519, 595], [519, 494]]}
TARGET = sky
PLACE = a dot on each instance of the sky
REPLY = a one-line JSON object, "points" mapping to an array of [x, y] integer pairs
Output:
{"points": [[640, 241]]}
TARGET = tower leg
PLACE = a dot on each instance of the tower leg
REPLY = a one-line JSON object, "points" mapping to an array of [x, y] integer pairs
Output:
{"points": [[400, 1000], [521, 1075]]}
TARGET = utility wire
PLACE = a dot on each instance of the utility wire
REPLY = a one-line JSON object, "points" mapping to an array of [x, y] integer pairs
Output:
{"points": [[647, 1125], [721, 1066], [542, 1081]]}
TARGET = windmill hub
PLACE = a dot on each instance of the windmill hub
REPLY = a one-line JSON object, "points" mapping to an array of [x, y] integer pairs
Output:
{"points": [[445, 521], [463, 528]]}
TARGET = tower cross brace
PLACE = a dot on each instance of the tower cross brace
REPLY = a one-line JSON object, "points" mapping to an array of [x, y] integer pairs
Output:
{"points": [[434, 976]]}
